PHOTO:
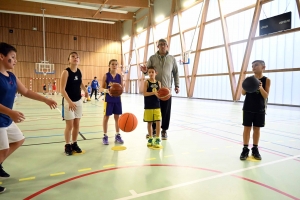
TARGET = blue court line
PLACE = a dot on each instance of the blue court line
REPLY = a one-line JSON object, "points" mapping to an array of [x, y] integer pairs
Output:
{"points": [[240, 142], [224, 120], [260, 140], [45, 136], [235, 125]]}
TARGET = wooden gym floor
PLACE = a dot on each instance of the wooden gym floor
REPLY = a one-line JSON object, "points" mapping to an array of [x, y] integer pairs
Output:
{"points": [[200, 160]]}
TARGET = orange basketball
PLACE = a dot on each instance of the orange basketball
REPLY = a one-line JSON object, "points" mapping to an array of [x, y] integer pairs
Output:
{"points": [[127, 122], [116, 90], [164, 94]]}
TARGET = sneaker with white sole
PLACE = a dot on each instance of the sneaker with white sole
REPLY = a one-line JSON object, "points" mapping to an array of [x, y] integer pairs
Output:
{"points": [[118, 139], [105, 140]]}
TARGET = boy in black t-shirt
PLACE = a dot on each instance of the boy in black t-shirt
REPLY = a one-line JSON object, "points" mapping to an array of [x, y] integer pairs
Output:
{"points": [[254, 110], [152, 106]]}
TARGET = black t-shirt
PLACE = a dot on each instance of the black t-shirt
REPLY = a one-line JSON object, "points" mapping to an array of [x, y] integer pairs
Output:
{"points": [[255, 102], [73, 85], [152, 102]]}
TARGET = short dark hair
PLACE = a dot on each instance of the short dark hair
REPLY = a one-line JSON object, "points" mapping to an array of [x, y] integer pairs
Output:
{"points": [[259, 61], [6, 48], [95, 77], [151, 67], [72, 53], [163, 40]]}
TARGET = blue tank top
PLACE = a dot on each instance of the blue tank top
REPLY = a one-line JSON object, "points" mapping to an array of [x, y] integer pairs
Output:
{"points": [[8, 89], [109, 81]]}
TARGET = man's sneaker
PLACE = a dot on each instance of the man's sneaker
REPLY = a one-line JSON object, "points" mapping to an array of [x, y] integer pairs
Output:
{"points": [[153, 133], [156, 143], [255, 153], [68, 150], [2, 189], [105, 140], [3, 174], [150, 142], [164, 135], [118, 139], [244, 154], [76, 148]]}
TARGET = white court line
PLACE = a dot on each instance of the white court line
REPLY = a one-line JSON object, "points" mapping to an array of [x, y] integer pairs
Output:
{"points": [[58, 110], [132, 192], [206, 179]]}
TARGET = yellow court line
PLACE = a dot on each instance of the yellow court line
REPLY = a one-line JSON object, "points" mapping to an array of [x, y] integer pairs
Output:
{"points": [[0, 183], [168, 156], [185, 153], [85, 169], [57, 174], [151, 159], [27, 179], [111, 165]]}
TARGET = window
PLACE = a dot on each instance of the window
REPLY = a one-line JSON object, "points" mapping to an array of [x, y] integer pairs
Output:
{"points": [[162, 30], [239, 25], [213, 61], [126, 46], [229, 6], [190, 17], [175, 28], [141, 39], [175, 45], [188, 37], [150, 51], [213, 35], [141, 55]]}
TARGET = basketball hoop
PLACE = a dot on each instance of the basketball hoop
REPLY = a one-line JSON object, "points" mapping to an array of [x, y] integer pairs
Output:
{"points": [[186, 57], [44, 72]]}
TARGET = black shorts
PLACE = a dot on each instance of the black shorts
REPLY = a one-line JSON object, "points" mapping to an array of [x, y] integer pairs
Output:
{"points": [[253, 119]]}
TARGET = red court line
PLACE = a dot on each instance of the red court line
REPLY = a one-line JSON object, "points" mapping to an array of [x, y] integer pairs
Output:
{"points": [[154, 165], [267, 186]]}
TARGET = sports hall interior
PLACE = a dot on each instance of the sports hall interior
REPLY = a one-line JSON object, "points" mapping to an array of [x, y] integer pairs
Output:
{"points": [[200, 158]]}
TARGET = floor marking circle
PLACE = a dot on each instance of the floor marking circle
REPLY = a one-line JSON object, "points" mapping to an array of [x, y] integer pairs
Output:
{"points": [[118, 148], [156, 148]]}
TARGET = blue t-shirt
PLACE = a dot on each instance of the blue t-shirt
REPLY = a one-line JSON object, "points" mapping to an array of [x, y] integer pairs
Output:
{"points": [[94, 84], [8, 89], [89, 89]]}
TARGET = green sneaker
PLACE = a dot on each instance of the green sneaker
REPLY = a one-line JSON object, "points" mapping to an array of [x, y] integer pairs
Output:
{"points": [[156, 143], [150, 142]]}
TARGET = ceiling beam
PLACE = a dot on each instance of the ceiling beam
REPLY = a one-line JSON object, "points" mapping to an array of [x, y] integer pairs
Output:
{"points": [[35, 8], [128, 3]]}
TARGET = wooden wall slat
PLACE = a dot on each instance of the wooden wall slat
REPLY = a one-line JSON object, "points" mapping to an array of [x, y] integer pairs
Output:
{"points": [[96, 44]]}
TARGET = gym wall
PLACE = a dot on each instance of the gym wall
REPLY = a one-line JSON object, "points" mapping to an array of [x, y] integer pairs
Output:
{"points": [[95, 43]]}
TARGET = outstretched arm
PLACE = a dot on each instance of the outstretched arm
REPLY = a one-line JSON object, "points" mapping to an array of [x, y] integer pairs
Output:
{"points": [[32, 95]]}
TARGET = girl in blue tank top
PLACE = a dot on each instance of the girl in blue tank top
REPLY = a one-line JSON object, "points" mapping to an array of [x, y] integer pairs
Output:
{"points": [[112, 105]]}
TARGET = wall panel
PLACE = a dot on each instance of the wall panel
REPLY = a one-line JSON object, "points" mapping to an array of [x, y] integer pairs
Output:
{"points": [[96, 44]]}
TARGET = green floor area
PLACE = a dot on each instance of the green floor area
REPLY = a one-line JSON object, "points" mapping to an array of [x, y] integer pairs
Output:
{"points": [[200, 159]]}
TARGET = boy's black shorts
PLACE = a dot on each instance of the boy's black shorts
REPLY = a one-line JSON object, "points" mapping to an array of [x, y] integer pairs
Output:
{"points": [[253, 119]]}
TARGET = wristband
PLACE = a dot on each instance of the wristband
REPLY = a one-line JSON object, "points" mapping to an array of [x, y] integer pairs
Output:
{"points": [[105, 90]]}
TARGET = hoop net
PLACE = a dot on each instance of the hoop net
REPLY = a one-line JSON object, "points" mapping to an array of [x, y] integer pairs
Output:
{"points": [[44, 68]]}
